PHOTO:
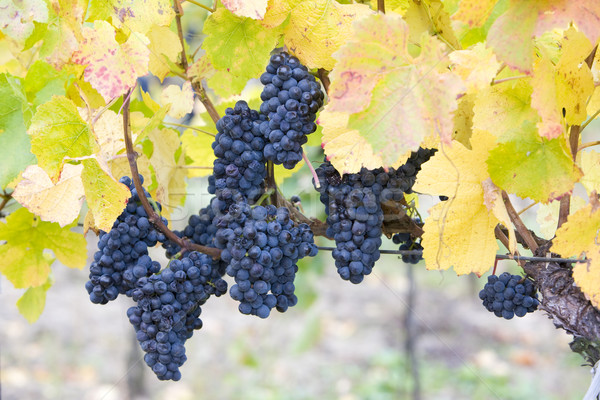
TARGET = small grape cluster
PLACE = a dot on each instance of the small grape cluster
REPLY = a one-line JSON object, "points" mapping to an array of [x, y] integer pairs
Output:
{"points": [[239, 168], [168, 310], [508, 295], [262, 247], [122, 252], [291, 98], [406, 242]]}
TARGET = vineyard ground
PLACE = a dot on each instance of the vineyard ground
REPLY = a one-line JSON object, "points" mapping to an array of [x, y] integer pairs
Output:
{"points": [[347, 344]]}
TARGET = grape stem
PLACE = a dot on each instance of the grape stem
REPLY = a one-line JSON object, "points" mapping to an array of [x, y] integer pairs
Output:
{"points": [[381, 6], [312, 170], [153, 217], [196, 84], [518, 223]]}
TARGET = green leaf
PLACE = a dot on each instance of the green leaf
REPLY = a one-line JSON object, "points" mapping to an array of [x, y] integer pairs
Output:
{"points": [[58, 131], [106, 197], [43, 81], [32, 303], [239, 45], [23, 261], [14, 142], [531, 166]]}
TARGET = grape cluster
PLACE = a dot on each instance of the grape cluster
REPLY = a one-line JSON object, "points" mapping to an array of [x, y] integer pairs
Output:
{"points": [[239, 168], [406, 242], [291, 98], [168, 310], [509, 295], [122, 252], [262, 247]]}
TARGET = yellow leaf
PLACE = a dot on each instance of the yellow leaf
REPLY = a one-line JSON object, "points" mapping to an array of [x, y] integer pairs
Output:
{"points": [[32, 303], [197, 146], [580, 235], [463, 120], [474, 12], [476, 66], [105, 196], [170, 175], [589, 162], [201, 69], [119, 167], [430, 18], [181, 99], [148, 101], [545, 101], [278, 11], [60, 202], [163, 43], [281, 173], [318, 28], [112, 68], [453, 226]]}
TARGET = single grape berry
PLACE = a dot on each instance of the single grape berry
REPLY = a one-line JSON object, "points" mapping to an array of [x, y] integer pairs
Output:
{"points": [[509, 295]]}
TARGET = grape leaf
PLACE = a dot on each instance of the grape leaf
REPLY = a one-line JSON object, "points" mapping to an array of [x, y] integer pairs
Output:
{"points": [[201, 69], [528, 165], [14, 142], [503, 107], [278, 11], [23, 261], [197, 146], [396, 100], [32, 302], [589, 162], [430, 18], [105, 197], [136, 16], [560, 93], [453, 226], [60, 202], [241, 46], [476, 66], [63, 32], [58, 126], [225, 84], [511, 34], [254, 9], [111, 68], [580, 235], [163, 43], [463, 120], [167, 164], [318, 28], [492, 198], [17, 17], [474, 12], [281, 173], [181, 99], [43, 81]]}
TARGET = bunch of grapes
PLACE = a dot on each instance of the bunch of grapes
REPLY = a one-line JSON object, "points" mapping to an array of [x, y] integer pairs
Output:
{"points": [[122, 252], [239, 168], [167, 310], [291, 98], [262, 246], [509, 295]]}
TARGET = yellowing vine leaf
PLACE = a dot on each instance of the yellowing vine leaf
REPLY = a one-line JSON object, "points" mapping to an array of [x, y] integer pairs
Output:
{"points": [[580, 235], [545, 101], [492, 198], [60, 202], [528, 165], [430, 18], [197, 146], [111, 68], [105, 197], [476, 66], [58, 126], [133, 15], [396, 100], [474, 12], [32, 303], [23, 262], [547, 215], [17, 17], [511, 34], [63, 33], [164, 45], [453, 226], [504, 107], [181, 99], [241, 46], [254, 9]]}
